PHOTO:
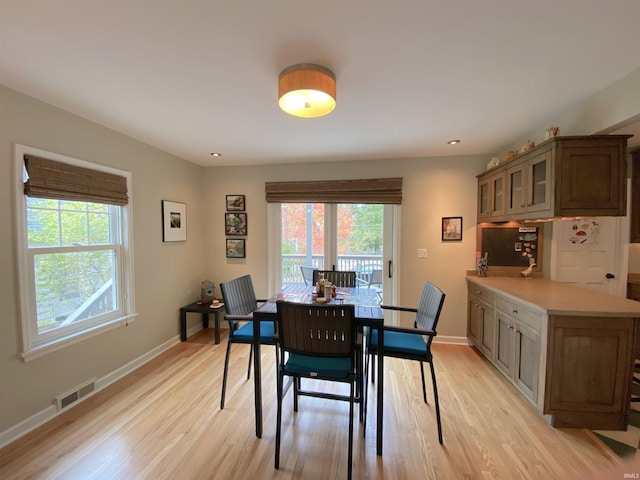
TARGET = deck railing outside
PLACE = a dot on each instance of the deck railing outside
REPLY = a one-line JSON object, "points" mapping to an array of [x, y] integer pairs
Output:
{"points": [[363, 265]]}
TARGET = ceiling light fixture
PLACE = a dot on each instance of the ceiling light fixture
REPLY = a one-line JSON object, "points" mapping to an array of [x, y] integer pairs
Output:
{"points": [[453, 142], [307, 90], [216, 154]]}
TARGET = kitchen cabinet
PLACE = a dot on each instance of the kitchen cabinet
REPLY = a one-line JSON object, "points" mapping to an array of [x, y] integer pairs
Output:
{"points": [[561, 177], [569, 351], [481, 321], [529, 185], [518, 345], [491, 196], [508, 334], [588, 371]]}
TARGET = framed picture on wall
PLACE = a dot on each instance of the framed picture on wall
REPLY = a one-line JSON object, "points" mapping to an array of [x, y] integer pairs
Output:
{"points": [[451, 229], [235, 203], [236, 247], [235, 224], [174, 221]]}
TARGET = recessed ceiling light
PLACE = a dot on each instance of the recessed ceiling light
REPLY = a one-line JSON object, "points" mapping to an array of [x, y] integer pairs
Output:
{"points": [[453, 142], [216, 154]]}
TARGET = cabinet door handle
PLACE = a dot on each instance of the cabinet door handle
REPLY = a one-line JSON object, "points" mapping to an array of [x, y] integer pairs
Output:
{"points": [[515, 311], [511, 327], [478, 292]]}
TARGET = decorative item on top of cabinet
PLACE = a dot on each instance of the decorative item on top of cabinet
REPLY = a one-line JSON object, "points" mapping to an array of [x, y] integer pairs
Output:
{"points": [[561, 177]]}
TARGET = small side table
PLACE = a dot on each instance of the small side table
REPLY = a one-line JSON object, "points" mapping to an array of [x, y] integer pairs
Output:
{"points": [[205, 309]]}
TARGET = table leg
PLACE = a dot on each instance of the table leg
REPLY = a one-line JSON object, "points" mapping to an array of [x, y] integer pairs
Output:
{"points": [[380, 393], [257, 377], [205, 320], [183, 325]]}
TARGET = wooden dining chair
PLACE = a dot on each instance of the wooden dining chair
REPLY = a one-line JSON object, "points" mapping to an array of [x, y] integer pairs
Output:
{"points": [[316, 342], [411, 343], [239, 302], [336, 277]]}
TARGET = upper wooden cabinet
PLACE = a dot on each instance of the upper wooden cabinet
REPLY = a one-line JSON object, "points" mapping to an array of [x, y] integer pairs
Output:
{"points": [[562, 177], [491, 196]]}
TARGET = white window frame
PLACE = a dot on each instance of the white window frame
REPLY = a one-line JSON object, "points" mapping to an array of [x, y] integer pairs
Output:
{"points": [[35, 345]]}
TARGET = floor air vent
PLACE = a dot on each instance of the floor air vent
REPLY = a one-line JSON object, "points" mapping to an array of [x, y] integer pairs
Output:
{"points": [[69, 398]]}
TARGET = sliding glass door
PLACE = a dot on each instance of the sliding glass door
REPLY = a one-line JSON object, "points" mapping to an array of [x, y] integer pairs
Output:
{"points": [[356, 237]]}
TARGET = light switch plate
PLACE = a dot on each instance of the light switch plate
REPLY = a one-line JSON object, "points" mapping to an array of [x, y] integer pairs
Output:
{"points": [[422, 253]]}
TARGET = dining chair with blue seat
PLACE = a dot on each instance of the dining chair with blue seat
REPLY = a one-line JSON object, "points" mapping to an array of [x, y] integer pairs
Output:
{"points": [[412, 343], [240, 302], [316, 342]]}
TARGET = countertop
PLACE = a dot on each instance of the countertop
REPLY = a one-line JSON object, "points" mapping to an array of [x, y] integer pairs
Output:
{"points": [[558, 298]]}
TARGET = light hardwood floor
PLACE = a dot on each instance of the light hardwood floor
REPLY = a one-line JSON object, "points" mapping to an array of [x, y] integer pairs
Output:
{"points": [[163, 421]]}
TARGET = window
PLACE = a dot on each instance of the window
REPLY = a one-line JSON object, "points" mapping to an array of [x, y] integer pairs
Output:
{"points": [[75, 255]]}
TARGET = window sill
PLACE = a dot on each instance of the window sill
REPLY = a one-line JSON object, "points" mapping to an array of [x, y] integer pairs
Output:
{"points": [[40, 350]]}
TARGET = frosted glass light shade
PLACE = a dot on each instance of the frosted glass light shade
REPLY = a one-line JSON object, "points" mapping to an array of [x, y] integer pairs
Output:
{"points": [[307, 90]]}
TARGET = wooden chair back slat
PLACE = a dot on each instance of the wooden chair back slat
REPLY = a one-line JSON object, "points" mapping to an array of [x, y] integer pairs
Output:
{"points": [[338, 278], [321, 330]]}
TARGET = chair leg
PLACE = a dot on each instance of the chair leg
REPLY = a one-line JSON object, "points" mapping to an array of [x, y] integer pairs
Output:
{"points": [[296, 387], [249, 367], [279, 381], [351, 402], [373, 368], [435, 395], [424, 388], [360, 384], [365, 390], [224, 375]]}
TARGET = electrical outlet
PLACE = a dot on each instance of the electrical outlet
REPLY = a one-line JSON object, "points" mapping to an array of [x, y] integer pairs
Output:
{"points": [[422, 253]]}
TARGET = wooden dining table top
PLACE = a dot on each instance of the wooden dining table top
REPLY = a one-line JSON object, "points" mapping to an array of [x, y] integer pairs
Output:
{"points": [[365, 300]]}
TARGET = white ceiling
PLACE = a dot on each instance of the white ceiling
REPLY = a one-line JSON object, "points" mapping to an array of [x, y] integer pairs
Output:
{"points": [[195, 77]]}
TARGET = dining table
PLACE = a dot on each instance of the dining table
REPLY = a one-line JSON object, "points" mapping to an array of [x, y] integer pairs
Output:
{"points": [[368, 313]]}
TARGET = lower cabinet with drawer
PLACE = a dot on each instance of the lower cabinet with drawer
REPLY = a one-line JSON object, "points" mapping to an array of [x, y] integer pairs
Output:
{"points": [[508, 334], [481, 321], [574, 366], [518, 353]]}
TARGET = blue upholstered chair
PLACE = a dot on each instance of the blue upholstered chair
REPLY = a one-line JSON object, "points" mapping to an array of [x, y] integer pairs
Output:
{"points": [[412, 343], [316, 342], [239, 302]]}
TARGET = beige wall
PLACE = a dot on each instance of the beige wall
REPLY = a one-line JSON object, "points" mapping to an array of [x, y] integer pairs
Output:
{"points": [[432, 188], [166, 275]]}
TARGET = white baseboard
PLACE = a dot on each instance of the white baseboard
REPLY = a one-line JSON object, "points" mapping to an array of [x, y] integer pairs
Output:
{"points": [[13, 433]]}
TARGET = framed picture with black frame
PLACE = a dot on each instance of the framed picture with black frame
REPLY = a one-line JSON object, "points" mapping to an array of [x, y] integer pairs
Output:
{"points": [[236, 248], [451, 229], [235, 203], [235, 224]]}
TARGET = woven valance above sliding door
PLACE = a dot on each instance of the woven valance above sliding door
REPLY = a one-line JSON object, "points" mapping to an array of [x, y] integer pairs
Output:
{"points": [[373, 190], [61, 181]]}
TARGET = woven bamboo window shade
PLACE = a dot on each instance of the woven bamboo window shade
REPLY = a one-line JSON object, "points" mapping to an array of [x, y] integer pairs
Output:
{"points": [[61, 181], [373, 190]]}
